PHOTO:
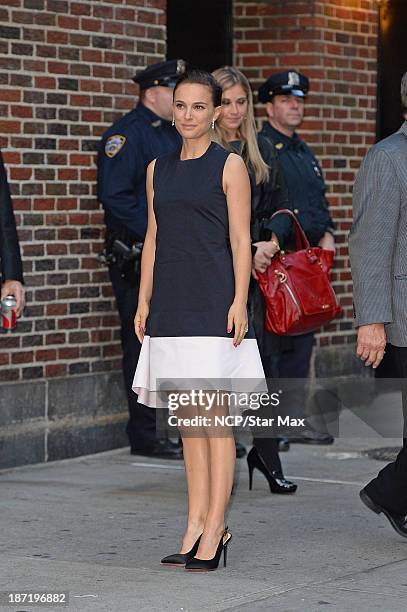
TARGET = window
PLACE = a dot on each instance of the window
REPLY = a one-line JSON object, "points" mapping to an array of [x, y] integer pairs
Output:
{"points": [[200, 33]]}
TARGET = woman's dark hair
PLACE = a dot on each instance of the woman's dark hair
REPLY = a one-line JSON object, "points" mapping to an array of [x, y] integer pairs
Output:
{"points": [[200, 77]]}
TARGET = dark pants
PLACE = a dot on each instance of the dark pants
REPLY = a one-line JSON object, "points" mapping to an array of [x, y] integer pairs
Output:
{"points": [[389, 489], [267, 447], [141, 427], [293, 362]]}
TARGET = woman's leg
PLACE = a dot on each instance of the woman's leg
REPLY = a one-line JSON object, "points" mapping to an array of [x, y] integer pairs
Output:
{"points": [[268, 451], [267, 447], [196, 460], [222, 459]]}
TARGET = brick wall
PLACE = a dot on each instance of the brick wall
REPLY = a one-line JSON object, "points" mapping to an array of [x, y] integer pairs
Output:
{"points": [[65, 71], [334, 42]]}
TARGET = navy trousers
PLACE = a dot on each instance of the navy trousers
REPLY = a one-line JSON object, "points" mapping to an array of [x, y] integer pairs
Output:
{"points": [[293, 363], [141, 426]]}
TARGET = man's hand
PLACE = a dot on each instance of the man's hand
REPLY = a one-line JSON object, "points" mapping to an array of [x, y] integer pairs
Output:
{"points": [[12, 287], [327, 242], [371, 343], [264, 254]]}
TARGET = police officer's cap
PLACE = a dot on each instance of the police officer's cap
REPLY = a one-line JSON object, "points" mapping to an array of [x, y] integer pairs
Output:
{"points": [[165, 74], [284, 83]]}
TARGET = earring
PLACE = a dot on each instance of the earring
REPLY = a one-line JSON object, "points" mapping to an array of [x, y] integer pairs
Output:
{"points": [[213, 124], [173, 121]]}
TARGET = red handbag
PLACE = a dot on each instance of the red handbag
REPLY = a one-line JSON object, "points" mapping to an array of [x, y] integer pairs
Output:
{"points": [[296, 288]]}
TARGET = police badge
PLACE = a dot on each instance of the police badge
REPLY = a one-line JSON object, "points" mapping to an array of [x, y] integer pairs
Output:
{"points": [[317, 169], [181, 66], [114, 144], [293, 79]]}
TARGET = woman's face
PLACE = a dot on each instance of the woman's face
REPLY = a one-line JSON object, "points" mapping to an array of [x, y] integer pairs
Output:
{"points": [[194, 110], [234, 107]]}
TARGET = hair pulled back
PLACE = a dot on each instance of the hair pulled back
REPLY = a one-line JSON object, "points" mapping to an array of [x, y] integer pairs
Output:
{"points": [[201, 77]]}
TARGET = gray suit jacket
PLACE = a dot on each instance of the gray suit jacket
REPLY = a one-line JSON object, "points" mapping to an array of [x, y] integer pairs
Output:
{"points": [[378, 238]]}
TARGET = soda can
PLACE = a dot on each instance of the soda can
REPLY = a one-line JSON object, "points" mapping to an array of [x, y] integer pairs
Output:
{"points": [[8, 313]]}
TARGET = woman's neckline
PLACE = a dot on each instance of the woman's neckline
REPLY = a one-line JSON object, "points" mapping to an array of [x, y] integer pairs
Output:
{"points": [[195, 158]]}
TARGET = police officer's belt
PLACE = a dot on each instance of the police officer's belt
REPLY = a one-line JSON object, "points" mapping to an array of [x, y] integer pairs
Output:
{"points": [[120, 247]]}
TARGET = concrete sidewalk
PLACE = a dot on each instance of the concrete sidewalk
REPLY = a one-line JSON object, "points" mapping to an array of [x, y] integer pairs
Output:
{"points": [[97, 527]]}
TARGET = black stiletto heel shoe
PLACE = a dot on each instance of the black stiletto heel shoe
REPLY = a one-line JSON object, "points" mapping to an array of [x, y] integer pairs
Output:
{"points": [[277, 482], [207, 565], [179, 559]]}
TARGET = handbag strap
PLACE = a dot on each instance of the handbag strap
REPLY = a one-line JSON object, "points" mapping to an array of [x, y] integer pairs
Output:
{"points": [[300, 236]]}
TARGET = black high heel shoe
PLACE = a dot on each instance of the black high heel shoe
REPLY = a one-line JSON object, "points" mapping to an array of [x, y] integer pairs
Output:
{"points": [[179, 559], [277, 482], [207, 565]]}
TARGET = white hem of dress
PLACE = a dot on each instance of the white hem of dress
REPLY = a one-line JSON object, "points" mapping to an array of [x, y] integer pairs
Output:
{"points": [[196, 362]]}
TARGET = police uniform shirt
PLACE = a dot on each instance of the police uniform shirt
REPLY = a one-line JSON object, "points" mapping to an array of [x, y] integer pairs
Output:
{"points": [[306, 188], [127, 148]]}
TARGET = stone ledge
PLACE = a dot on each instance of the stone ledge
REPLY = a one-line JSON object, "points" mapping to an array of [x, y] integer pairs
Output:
{"points": [[60, 418]]}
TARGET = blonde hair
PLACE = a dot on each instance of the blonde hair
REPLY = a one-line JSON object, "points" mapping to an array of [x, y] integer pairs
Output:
{"points": [[227, 77]]}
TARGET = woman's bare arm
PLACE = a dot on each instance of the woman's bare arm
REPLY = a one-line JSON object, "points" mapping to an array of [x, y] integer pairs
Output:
{"points": [[236, 185], [147, 260]]}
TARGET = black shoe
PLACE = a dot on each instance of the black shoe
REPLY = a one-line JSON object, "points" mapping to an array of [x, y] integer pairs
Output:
{"points": [[161, 449], [283, 445], [310, 436], [207, 565], [179, 559], [397, 521], [240, 450], [276, 480], [177, 444]]}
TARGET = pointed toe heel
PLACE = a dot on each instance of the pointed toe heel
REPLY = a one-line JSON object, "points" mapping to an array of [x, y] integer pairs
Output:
{"points": [[208, 565], [180, 559], [277, 482], [176, 560]]}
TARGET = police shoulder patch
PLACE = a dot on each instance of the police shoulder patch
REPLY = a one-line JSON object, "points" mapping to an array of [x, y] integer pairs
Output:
{"points": [[114, 144]]}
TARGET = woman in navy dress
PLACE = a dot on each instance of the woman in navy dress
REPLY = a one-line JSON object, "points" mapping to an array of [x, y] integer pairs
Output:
{"points": [[192, 311]]}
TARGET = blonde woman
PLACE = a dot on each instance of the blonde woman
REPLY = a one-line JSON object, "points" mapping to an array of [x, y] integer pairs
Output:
{"points": [[236, 131]]}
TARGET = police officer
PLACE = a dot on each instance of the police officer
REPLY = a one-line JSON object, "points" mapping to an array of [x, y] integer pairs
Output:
{"points": [[284, 94], [10, 259], [127, 148]]}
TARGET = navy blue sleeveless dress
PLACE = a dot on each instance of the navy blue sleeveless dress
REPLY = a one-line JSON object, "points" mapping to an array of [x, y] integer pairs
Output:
{"points": [[186, 335]]}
